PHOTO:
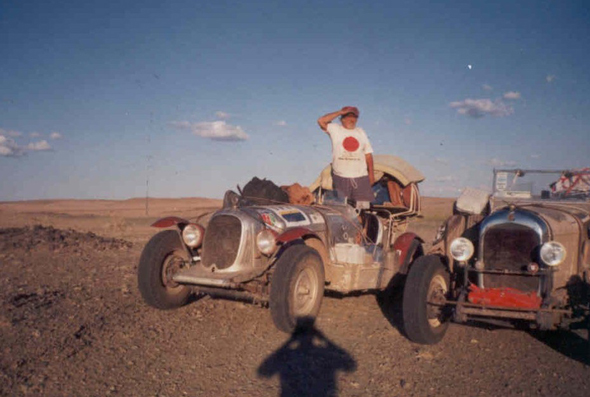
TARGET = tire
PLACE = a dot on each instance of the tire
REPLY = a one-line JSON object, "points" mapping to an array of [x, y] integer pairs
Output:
{"points": [[297, 288], [427, 281], [163, 256]]}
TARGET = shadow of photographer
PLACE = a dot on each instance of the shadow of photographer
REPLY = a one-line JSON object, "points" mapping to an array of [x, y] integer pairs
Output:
{"points": [[307, 363]]}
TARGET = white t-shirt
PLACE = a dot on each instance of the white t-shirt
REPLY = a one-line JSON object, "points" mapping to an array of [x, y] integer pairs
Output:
{"points": [[349, 148]]}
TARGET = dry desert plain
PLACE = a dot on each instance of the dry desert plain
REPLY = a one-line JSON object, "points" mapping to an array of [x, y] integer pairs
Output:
{"points": [[72, 323]]}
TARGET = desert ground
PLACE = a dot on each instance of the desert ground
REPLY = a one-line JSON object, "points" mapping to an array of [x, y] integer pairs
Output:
{"points": [[72, 323]]}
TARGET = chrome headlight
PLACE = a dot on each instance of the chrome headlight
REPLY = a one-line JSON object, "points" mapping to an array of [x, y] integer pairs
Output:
{"points": [[461, 249], [552, 253], [192, 235], [266, 241]]}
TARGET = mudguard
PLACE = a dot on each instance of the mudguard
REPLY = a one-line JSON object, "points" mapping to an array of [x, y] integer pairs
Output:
{"points": [[294, 234], [407, 244], [170, 221]]}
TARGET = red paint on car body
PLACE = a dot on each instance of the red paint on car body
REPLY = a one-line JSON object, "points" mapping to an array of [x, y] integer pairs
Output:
{"points": [[504, 297], [293, 234], [403, 244], [169, 221]]}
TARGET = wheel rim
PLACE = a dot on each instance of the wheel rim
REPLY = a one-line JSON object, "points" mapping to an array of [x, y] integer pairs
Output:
{"points": [[305, 292], [437, 292], [173, 263]]}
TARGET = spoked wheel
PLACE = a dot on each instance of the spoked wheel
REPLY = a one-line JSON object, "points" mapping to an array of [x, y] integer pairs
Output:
{"points": [[427, 287], [163, 257], [297, 288]]}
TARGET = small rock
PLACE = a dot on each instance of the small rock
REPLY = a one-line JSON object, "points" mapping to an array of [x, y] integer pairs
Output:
{"points": [[425, 355]]}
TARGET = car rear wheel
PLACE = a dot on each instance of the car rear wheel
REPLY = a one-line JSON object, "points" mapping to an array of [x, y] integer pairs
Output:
{"points": [[297, 288], [425, 292], [162, 257]]}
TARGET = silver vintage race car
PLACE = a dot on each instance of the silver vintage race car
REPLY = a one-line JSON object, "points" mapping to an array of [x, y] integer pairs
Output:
{"points": [[285, 255], [521, 255]]}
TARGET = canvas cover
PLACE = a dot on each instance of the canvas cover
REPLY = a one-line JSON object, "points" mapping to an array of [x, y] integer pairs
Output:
{"points": [[395, 166], [472, 201]]}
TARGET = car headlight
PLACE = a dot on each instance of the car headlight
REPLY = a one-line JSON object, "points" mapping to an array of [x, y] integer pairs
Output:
{"points": [[461, 249], [266, 241], [552, 253], [192, 235]]}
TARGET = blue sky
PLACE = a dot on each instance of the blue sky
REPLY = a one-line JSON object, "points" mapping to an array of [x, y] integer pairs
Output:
{"points": [[199, 96]]}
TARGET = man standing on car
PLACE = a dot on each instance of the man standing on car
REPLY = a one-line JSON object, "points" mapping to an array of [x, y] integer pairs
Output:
{"points": [[352, 158]]}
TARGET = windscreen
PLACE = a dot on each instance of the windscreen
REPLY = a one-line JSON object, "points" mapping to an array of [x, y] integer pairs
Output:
{"points": [[523, 184]]}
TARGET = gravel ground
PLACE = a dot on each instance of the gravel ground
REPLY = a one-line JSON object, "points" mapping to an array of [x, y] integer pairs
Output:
{"points": [[72, 323]]}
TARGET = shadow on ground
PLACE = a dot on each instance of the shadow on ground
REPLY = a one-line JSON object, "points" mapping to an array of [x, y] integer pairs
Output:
{"points": [[568, 343], [307, 363], [390, 303]]}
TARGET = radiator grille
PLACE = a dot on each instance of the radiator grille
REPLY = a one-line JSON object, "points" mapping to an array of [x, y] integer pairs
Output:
{"points": [[222, 241], [512, 247]]}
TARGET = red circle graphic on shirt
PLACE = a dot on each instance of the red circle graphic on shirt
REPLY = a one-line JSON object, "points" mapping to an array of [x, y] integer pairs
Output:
{"points": [[351, 144]]}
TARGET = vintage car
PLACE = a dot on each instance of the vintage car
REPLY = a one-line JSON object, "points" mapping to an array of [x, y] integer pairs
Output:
{"points": [[285, 255], [520, 256]]}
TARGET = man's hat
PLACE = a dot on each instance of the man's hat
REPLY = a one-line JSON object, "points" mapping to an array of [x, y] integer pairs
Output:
{"points": [[351, 109]]}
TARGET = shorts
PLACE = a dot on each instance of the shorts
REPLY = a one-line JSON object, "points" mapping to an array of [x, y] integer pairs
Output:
{"points": [[358, 189]]}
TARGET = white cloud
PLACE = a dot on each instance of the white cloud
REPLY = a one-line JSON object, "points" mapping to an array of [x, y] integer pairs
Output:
{"points": [[55, 135], [222, 115], [38, 146], [477, 108], [495, 162], [9, 148], [487, 87], [5, 151], [281, 123], [215, 130], [535, 156], [441, 160], [34, 135], [550, 78], [512, 95], [10, 133]]}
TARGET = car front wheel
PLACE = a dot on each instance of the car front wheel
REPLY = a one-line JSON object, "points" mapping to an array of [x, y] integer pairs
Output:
{"points": [[162, 257], [297, 288], [425, 292]]}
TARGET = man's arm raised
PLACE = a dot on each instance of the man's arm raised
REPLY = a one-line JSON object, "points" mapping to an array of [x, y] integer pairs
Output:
{"points": [[327, 119]]}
